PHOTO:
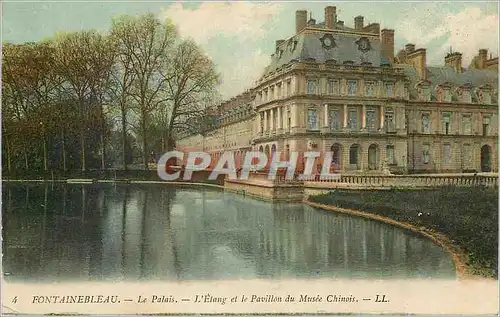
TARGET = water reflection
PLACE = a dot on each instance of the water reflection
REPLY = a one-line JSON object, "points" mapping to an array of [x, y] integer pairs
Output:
{"points": [[150, 232]]}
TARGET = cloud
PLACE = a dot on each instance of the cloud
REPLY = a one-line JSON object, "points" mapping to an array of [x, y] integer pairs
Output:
{"points": [[466, 32], [240, 19], [471, 30], [242, 74]]}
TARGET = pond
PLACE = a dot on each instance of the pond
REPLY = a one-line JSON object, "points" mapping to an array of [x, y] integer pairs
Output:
{"points": [[76, 232]]}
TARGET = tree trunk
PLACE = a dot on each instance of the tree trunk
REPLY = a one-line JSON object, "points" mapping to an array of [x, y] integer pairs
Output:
{"points": [[82, 143], [163, 143], [9, 162], [145, 152], [103, 141], [45, 159], [63, 150], [124, 135], [82, 136], [103, 152], [25, 158]]}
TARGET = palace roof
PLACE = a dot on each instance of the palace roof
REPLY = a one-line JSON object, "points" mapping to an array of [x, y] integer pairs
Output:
{"points": [[335, 47]]}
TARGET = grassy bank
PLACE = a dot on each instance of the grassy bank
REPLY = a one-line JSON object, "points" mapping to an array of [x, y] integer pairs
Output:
{"points": [[467, 216]]}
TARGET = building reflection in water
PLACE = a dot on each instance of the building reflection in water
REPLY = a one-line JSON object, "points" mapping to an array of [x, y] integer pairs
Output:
{"points": [[150, 232]]}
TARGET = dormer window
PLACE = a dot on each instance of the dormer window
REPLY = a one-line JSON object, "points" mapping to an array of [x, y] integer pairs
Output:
{"points": [[464, 93], [484, 94], [466, 96], [447, 95], [444, 92], [424, 90], [425, 94]]}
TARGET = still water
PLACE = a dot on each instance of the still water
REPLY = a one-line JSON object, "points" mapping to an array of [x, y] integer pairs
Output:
{"points": [[74, 232]]}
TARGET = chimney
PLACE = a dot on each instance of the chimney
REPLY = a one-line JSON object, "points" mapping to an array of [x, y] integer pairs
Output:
{"points": [[358, 23], [330, 17], [483, 56], [387, 49], [409, 48], [454, 60], [300, 20], [418, 59]]}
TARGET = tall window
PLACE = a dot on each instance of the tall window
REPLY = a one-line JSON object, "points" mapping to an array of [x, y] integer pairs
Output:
{"points": [[467, 125], [333, 87], [426, 153], [261, 122], [351, 87], [271, 93], [369, 87], [312, 85], [353, 154], [312, 119], [352, 120], [289, 120], [446, 153], [289, 88], [335, 119], [371, 119], [467, 156], [389, 120], [279, 90], [390, 155], [389, 89], [486, 125], [446, 122], [425, 123]]}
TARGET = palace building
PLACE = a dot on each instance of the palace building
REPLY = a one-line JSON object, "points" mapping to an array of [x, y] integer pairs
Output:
{"points": [[333, 87]]}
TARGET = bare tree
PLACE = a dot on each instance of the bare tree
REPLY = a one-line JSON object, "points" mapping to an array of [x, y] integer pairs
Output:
{"points": [[147, 43], [84, 62], [191, 82], [122, 78]]}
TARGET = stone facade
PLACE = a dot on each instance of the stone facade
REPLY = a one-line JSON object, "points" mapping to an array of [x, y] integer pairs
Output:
{"points": [[330, 87]]}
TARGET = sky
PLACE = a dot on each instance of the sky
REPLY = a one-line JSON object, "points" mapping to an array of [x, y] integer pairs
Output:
{"points": [[240, 36]]}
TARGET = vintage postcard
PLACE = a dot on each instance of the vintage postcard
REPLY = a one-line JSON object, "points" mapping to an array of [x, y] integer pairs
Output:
{"points": [[249, 157]]}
